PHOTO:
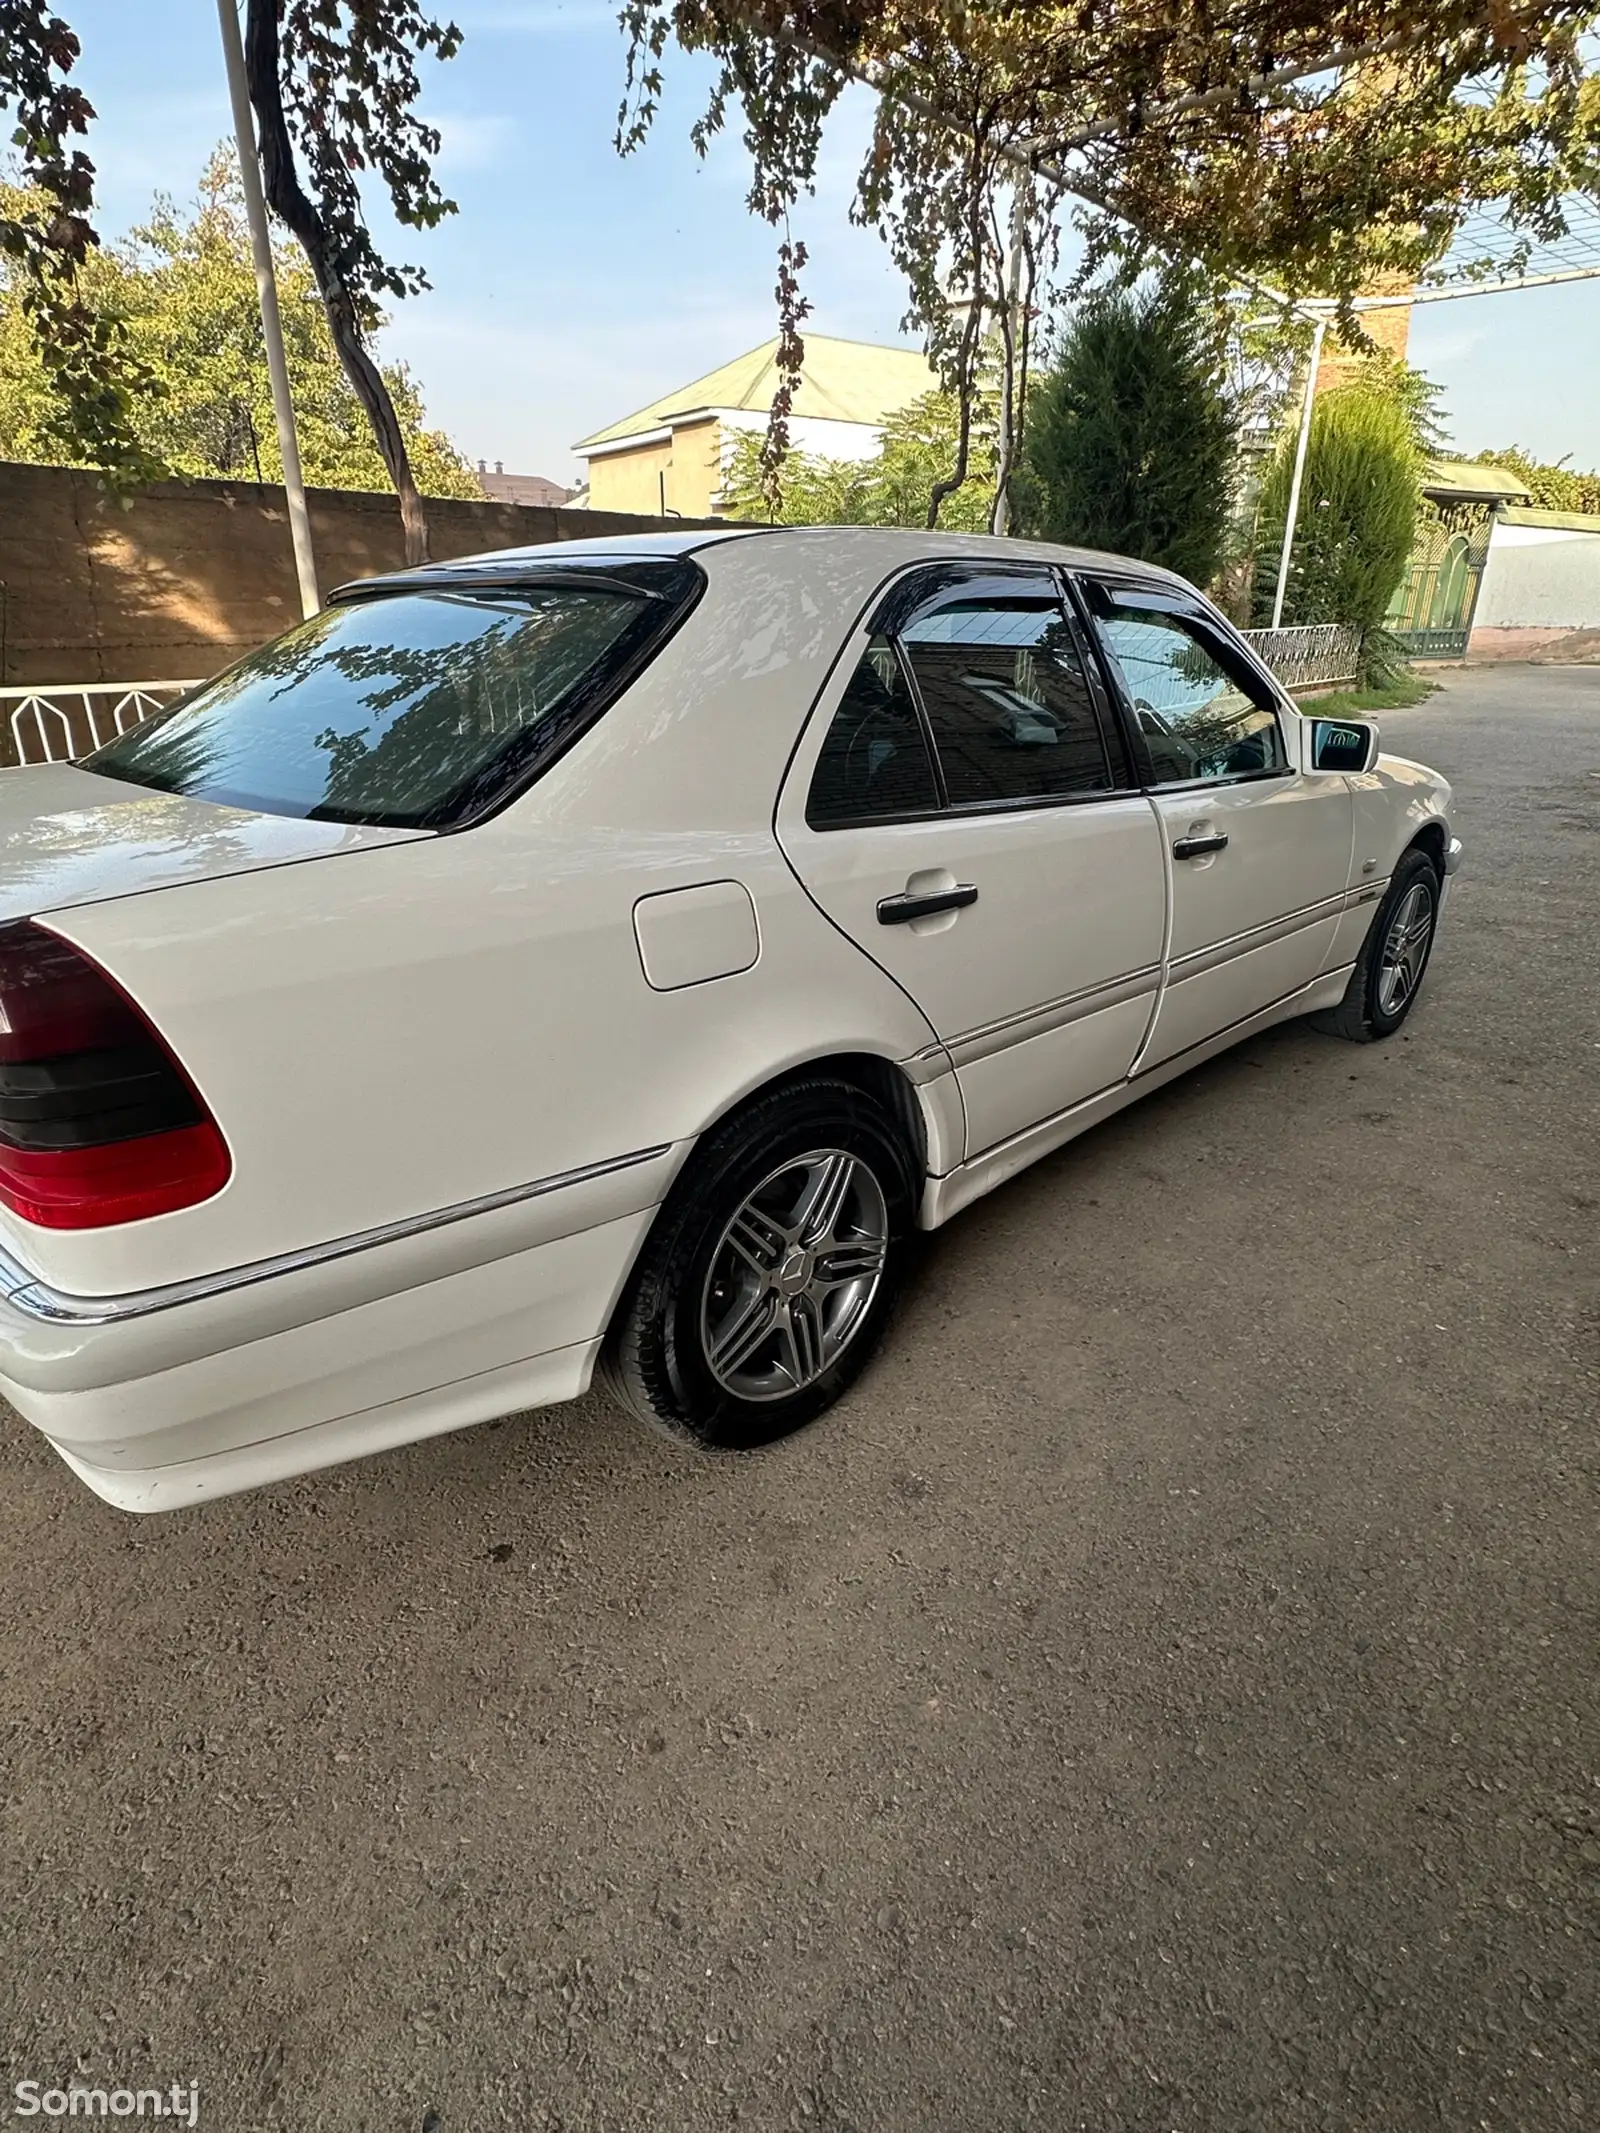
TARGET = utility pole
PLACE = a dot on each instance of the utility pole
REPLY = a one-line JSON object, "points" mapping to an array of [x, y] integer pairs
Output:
{"points": [[244, 127], [1303, 440]]}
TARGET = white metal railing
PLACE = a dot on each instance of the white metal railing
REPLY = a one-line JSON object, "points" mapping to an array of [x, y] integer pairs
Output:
{"points": [[1310, 655], [56, 724]]}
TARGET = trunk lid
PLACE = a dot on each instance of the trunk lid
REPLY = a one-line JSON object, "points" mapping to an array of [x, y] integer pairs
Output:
{"points": [[69, 837]]}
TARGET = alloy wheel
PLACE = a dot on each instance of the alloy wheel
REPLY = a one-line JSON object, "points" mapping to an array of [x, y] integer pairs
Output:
{"points": [[794, 1275], [1405, 948]]}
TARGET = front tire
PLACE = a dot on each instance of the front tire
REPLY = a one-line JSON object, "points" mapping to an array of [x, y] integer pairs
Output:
{"points": [[1389, 970], [771, 1272]]}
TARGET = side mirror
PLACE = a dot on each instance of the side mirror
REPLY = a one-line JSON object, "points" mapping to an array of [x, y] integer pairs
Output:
{"points": [[1347, 744]]}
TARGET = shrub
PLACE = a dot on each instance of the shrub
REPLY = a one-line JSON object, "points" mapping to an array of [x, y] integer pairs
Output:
{"points": [[1130, 442], [919, 446], [1358, 514]]}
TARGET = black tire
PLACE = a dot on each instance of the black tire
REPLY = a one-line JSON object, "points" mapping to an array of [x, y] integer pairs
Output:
{"points": [[656, 1361], [1362, 1016]]}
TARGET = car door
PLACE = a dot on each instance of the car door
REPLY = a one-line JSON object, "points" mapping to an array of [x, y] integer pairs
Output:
{"points": [[1258, 855], [963, 806]]}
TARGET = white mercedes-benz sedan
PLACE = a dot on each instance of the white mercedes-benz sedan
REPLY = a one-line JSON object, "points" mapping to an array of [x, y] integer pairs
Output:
{"points": [[605, 955]]}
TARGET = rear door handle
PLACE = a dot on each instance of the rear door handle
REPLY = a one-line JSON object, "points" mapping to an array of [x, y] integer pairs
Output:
{"points": [[1192, 847], [900, 910]]}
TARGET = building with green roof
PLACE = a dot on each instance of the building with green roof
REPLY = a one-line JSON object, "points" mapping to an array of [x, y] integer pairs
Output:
{"points": [[671, 455]]}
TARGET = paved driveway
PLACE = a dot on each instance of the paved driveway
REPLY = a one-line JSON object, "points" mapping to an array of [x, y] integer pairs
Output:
{"points": [[1164, 1696]]}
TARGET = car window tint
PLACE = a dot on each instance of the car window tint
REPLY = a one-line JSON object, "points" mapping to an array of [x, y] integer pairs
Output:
{"points": [[398, 710], [1007, 698], [1198, 720], [874, 760]]}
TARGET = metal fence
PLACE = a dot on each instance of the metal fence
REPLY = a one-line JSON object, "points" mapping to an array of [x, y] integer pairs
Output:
{"points": [[50, 724], [1432, 644], [1317, 655]]}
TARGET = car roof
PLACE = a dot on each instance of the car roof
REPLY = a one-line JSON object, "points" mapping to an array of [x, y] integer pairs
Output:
{"points": [[890, 546]]}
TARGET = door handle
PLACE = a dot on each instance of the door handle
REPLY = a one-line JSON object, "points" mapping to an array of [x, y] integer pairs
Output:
{"points": [[1192, 847], [900, 910]]}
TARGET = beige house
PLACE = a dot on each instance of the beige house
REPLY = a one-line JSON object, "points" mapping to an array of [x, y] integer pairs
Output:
{"points": [[671, 455]]}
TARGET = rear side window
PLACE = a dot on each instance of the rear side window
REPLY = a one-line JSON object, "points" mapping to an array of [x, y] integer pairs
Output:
{"points": [[874, 761], [412, 709], [1007, 699]]}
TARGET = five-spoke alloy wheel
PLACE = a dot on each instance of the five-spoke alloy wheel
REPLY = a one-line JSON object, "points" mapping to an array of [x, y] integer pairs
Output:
{"points": [[794, 1275], [769, 1276], [1405, 948], [1393, 957]]}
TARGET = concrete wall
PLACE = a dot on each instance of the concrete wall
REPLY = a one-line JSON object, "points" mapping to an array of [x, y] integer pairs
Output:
{"points": [[1541, 587], [191, 574]]}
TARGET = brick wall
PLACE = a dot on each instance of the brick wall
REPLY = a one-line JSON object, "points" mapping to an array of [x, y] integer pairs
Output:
{"points": [[191, 574]]}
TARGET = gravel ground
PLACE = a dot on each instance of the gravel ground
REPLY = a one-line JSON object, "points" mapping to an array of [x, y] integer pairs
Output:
{"points": [[1161, 1698]]}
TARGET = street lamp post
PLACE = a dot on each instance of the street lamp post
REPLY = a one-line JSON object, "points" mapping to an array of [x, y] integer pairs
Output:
{"points": [[1302, 441], [305, 562]]}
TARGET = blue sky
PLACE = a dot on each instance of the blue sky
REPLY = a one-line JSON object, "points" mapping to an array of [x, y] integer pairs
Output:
{"points": [[574, 287]]}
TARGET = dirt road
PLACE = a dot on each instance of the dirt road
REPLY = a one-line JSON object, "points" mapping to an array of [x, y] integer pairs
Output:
{"points": [[1163, 1697]]}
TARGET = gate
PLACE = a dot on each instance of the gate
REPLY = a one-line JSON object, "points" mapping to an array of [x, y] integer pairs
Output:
{"points": [[1431, 612]]}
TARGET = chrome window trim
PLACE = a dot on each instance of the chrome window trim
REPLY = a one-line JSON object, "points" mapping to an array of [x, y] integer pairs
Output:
{"points": [[24, 1292], [1233, 777], [969, 810]]}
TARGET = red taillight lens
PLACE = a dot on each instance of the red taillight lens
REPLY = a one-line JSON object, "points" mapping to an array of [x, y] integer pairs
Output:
{"points": [[98, 1122]]}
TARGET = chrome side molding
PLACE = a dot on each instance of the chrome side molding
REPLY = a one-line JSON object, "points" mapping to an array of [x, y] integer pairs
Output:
{"points": [[38, 1299]]}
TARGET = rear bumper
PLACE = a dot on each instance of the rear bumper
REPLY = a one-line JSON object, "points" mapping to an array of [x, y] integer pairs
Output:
{"points": [[539, 1381], [160, 1404]]}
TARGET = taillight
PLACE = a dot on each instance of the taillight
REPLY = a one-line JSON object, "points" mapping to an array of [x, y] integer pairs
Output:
{"points": [[98, 1122]]}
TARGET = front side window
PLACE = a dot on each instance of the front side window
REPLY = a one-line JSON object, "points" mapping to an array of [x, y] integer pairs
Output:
{"points": [[1008, 702], [874, 762], [1198, 718], [413, 709]]}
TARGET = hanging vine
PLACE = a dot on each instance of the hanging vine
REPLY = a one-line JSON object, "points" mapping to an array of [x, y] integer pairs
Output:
{"points": [[1307, 145]]}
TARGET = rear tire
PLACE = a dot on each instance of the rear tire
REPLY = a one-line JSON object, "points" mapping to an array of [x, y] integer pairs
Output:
{"points": [[771, 1272], [1393, 959]]}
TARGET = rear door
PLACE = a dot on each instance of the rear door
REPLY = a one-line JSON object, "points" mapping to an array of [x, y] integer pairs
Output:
{"points": [[963, 805], [1258, 856]]}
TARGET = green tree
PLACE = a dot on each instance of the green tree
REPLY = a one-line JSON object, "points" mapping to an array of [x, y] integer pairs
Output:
{"points": [[182, 295], [1315, 148], [920, 447], [334, 86], [1554, 487], [1359, 499], [1131, 432]]}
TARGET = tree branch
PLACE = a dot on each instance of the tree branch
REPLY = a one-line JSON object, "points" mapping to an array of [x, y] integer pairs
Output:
{"points": [[289, 200]]}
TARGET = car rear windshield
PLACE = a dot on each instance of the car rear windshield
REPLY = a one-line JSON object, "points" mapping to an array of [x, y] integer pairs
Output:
{"points": [[413, 708]]}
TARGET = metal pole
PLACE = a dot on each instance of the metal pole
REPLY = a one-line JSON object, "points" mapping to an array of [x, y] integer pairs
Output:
{"points": [[1299, 470], [305, 562]]}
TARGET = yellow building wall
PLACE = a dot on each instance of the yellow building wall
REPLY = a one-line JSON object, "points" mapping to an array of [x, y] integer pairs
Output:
{"points": [[681, 475], [629, 481]]}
